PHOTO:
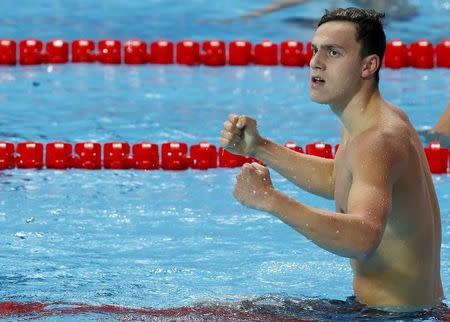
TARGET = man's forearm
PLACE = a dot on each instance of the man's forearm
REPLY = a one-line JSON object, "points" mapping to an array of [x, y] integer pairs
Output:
{"points": [[342, 234], [310, 173]]}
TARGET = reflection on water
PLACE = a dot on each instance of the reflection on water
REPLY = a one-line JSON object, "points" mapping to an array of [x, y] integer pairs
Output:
{"points": [[334, 310], [266, 308]]}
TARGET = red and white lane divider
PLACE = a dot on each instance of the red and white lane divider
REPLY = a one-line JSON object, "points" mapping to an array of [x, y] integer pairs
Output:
{"points": [[149, 156], [419, 54]]}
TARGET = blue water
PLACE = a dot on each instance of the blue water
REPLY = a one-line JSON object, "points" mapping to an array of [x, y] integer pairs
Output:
{"points": [[168, 239]]}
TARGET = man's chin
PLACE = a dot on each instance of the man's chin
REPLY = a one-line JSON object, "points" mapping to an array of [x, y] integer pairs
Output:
{"points": [[317, 99]]}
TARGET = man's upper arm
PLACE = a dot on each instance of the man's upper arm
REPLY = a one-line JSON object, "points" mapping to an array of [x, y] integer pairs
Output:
{"points": [[376, 166]]}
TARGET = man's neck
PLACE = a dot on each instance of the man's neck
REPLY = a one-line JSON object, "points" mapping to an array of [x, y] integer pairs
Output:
{"points": [[360, 112]]}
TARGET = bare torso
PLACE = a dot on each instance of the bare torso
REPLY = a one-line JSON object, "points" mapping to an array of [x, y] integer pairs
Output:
{"points": [[405, 268]]}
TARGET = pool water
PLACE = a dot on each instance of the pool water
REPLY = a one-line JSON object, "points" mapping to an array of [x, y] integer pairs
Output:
{"points": [[136, 245]]}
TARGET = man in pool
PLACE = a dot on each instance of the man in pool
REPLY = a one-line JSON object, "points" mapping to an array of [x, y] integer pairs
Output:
{"points": [[394, 9], [441, 131], [387, 218]]}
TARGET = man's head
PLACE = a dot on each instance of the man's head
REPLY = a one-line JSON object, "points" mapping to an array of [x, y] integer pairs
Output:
{"points": [[348, 47], [369, 29]]}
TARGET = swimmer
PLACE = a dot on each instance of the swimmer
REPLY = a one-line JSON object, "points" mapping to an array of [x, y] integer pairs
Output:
{"points": [[387, 217], [394, 9], [441, 131]]}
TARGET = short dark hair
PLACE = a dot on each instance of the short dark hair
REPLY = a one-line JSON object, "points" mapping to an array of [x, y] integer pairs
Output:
{"points": [[369, 29]]}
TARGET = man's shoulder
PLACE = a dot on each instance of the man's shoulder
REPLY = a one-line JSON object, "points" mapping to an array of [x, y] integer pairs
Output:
{"points": [[393, 130], [379, 147], [379, 139]]}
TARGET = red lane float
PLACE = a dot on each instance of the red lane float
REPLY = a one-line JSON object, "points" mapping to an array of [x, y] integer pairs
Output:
{"points": [[240, 53], [135, 52], [174, 155], [396, 55], [30, 52], [319, 149], [292, 53], [266, 53], [109, 51], [56, 52], [7, 52], [230, 160], [161, 52], [15, 308], [30, 155], [58, 155], [438, 158], [145, 156], [116, 155], [421, 54], [214, 53], [188, 53], [443, 54], [88, 155], [203, 156], [83, 51], [6, 155]]}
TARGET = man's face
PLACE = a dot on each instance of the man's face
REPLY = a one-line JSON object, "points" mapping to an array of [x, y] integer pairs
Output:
{"points": [[336, 64]]}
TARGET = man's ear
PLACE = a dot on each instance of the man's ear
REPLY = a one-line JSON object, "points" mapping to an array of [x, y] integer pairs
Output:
{"points": [[370, 65]]}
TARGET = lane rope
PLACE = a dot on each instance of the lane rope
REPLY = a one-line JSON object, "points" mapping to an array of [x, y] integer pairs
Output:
{"points": [[169, 156], [293, 53]]}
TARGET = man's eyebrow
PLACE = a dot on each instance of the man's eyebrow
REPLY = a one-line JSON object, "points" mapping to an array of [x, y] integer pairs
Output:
{"points": [[328, 46]]}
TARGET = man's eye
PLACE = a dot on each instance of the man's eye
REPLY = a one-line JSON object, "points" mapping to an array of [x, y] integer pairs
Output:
{"points": [[314, 51], [334, 53]]}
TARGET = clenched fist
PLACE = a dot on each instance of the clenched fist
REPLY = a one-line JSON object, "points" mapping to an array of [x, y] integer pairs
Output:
{"points": [[239, 135], [254, 187]]}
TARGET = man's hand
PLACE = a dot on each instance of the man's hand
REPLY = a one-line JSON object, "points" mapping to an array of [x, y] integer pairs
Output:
{"points": [[253, 187], [239, 135]]}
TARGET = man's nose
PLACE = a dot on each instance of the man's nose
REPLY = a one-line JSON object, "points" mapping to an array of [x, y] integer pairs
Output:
{"points": [[316, 62]]}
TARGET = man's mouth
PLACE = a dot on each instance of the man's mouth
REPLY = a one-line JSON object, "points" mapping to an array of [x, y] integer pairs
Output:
{"points": [[317, 80]]}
